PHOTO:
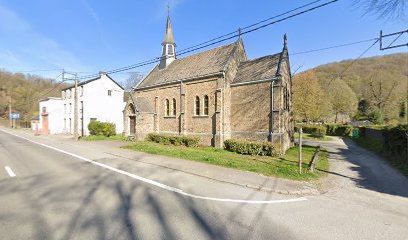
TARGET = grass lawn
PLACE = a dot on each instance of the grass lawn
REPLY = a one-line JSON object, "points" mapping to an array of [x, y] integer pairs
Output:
{"points": [[308, 136], [283, 167], [377, 146], [101, 137]]}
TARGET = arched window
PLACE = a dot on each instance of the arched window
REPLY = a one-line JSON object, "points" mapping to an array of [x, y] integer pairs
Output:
{"points": [[174, 107], [205, 105], [167, 108], [170, 50], [197, 106]]}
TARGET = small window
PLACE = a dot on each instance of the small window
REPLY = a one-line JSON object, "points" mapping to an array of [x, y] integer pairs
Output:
{"points": [[44, 109], [205, 105], [170, 50], [109, 92], [197, 106], [65, 108], [63, 94], [92, 119], [167, 107], [70, 107], [174, 107], [81, 89]]}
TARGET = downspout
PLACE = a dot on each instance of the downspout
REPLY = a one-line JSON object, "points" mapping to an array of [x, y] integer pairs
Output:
{"points": [[270, 137]]}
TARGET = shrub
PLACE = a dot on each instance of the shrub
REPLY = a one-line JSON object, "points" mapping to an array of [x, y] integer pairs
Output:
{"points": [[102, 128], [187, 141], [314, 130], [251, 148], [338, 130]]}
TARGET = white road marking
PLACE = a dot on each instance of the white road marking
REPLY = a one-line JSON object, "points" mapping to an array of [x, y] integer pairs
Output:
{"points": [[161, 185], [9, 171]]}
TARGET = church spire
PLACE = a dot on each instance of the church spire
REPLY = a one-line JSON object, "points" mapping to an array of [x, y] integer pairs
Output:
{"points": [[168, 38], [168, 44]]}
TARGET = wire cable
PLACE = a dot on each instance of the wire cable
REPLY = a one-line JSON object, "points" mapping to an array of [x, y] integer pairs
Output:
{"points": [[219, 40]]}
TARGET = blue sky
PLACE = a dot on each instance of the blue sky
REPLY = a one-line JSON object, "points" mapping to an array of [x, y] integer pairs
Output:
{"points": [[93, 35]]}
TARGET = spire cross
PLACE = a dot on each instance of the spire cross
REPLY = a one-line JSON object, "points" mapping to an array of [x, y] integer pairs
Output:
{"points": [[168, 8]]}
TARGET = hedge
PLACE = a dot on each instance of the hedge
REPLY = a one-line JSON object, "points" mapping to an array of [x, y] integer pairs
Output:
{"points": [[251, 148], [338, 130], [187, 141], [314, 130], [102, 128]]}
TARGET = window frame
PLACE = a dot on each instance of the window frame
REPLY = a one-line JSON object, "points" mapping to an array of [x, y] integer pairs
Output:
{"points": [[197, 106], [167, 107], [206, 105], [174, 107]]}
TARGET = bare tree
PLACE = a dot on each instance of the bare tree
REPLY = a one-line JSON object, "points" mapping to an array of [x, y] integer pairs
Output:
{"points": [[387, 9], [133, 79]]}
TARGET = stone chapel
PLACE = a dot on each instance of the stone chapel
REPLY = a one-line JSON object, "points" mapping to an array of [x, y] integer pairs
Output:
{"points": [[216, 94]]}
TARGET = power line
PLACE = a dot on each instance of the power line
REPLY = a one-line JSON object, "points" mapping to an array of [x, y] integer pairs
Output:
{"points": [[352, 62], [252, 25], [336, 46], [43, 95], [222, 38]]}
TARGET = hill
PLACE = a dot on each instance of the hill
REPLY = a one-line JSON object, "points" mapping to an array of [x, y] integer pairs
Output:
{"points": [[374, 88], [26, 90]]}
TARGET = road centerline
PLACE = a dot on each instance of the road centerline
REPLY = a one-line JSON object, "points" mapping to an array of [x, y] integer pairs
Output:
{"points": [[158, 184], [9, 171]]}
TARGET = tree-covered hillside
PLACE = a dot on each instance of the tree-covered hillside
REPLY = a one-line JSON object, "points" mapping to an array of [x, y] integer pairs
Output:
{"points": [[371, 88], [25, 92]]}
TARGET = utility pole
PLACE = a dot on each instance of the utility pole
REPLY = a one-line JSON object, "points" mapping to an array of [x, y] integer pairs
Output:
{"points": [[76, 108], [10, 112], [300, 149]]}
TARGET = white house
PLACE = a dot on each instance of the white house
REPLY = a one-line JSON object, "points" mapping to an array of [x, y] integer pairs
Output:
{"points": [[99, 99], [51, 116]]}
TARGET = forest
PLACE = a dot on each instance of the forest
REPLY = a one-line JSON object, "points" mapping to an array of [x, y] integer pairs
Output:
{"points": [[372, 89], [26, 90]]}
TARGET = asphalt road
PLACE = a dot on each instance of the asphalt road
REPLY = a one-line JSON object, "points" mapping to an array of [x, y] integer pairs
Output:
{"points": [[63, 191]]}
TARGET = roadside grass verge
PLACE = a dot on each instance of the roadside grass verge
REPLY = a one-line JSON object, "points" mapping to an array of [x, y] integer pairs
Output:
{"points": [[284, 166], [101, 137], [377, 147], [307, 136]]}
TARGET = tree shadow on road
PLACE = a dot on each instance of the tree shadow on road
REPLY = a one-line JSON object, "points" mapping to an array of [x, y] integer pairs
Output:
{"points": [[373, 173], [104, 205]]}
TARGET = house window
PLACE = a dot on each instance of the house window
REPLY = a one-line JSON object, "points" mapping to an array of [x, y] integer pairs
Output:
{"points": [[65, 124], [44, 109], [197, 106], [70, 107], [65, 108], [63, 94], [205, 105], [167, 107], [92, 119], [109, 92], [174, 107], [68, 93], [81, 91]]}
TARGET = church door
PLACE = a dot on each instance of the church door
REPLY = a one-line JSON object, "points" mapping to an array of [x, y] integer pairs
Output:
{"points": [[132, 125]]}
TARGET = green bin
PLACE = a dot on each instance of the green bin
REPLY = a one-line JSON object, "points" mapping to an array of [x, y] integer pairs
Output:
{"points": [[355, 133]]}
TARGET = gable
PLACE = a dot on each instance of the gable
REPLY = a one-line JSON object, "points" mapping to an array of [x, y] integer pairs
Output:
{"points": [[258, 69]]}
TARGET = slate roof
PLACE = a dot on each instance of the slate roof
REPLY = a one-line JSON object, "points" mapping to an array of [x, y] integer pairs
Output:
{"points": [[199, 64], [258, 69], [143, 105]]}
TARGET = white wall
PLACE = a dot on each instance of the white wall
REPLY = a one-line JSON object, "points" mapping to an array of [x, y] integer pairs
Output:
{"points": [[55, 115], [96, 104]]}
